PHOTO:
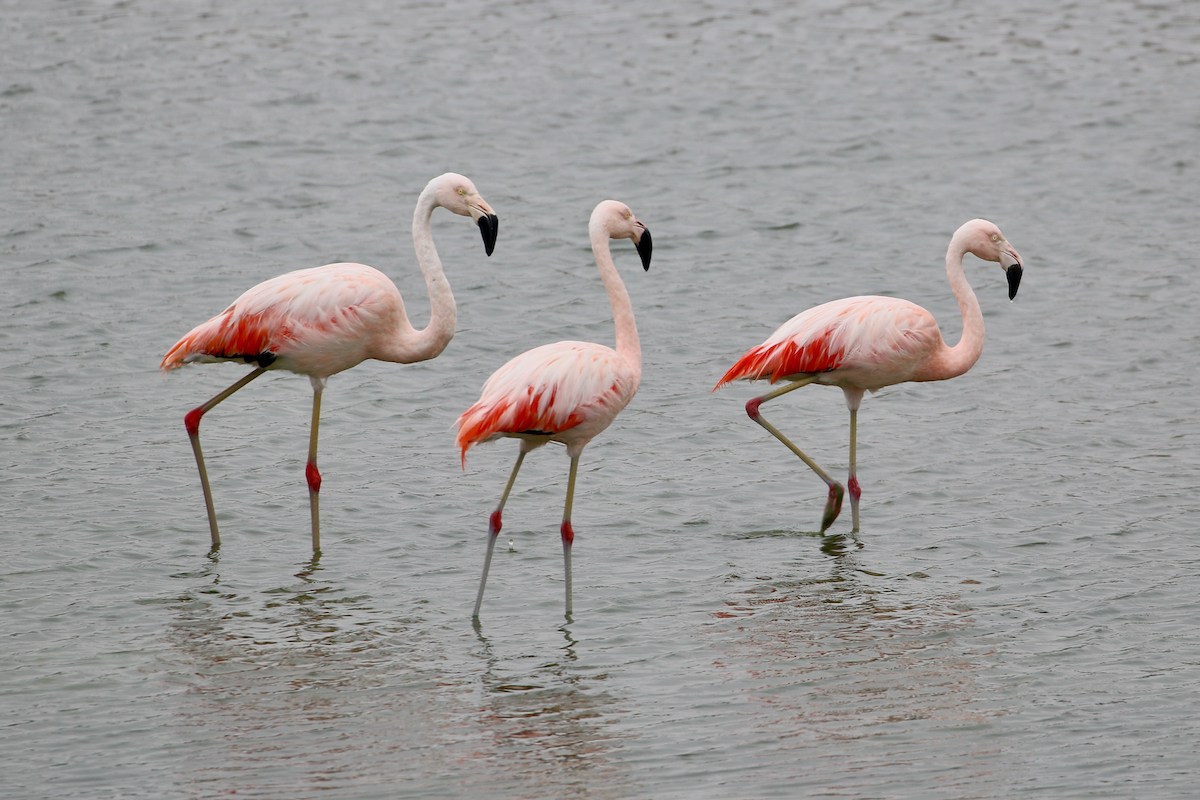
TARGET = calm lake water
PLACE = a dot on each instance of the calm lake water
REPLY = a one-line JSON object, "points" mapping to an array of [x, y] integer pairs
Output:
{"points": [[1017, 616]]}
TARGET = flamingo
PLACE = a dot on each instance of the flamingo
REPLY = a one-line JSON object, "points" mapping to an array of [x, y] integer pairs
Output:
{"points": [[565, 392], [321, 321], [866, 343]]}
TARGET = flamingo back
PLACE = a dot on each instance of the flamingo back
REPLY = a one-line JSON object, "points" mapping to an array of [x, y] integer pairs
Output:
{"points": [[320, 321], [574, 388], [882, 337]]}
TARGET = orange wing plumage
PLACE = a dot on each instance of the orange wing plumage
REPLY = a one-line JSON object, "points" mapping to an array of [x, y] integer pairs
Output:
{"points": [[788, 357], [228, 336], [320, 318], [882, 336], [550, 390]]}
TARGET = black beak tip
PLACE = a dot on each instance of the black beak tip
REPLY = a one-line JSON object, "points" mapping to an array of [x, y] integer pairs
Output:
{"points": [[489, 226], [1014, 279], [645, 247]]}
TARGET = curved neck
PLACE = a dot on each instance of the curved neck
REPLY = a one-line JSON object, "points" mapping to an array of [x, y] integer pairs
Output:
{"points": [[443, 317], [960, 358], [628, 345]]}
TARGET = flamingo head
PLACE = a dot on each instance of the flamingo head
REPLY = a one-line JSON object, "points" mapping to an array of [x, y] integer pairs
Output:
{"points": [[618, 222], [456, 193], [983, 239]]}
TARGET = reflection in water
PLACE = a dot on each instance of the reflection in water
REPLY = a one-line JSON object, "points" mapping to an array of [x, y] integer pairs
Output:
{"points": [[313, 689], [853, 655], [306, 689], [549, 726]]}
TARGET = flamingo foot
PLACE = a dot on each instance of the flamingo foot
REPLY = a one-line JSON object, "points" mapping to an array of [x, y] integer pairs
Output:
{"points": [[833, 506]]}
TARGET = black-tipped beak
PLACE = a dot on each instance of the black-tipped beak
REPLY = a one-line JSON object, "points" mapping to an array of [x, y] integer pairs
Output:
{"points": [[489, 226], [1014, 279], [645, 247]]}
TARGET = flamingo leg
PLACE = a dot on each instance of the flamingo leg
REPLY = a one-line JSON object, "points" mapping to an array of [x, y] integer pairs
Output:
{"points": [[310, 471], [494, 525], [568, 533], [852, 484], [191, 421], [833, 505]]}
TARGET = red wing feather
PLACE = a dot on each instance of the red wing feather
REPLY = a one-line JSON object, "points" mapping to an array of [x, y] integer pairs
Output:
{"points": [[529, 413], [228, 336], [550, 389], [780, 359]]}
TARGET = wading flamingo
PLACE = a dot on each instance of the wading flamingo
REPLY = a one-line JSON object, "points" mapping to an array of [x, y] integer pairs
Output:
{"points": [[321, 321], [866, 343], [565, 392]]}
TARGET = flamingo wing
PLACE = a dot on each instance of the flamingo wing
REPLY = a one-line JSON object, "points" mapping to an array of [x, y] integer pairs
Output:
{"points": [[325, 310], [549, 390], [871, 334]]}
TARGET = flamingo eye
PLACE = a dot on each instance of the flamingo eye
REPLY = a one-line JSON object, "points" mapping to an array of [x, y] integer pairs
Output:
{"points": [[462, 191], [995, 238]]}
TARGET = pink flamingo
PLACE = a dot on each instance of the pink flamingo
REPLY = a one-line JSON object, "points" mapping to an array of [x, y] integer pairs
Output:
{"points": [[321, 321], [866, 343], [565, 392]]}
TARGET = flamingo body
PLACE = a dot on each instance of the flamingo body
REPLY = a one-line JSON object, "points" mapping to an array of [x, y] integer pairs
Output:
{"points": [[324, 320], [565, 392], [866, 343], [318, 322]]}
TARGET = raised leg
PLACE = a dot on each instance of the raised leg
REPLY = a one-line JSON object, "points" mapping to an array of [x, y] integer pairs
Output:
{"points": [[568, 533], [852, 483], [191, 421], [494, 525], [833, 504], [310, 471]]}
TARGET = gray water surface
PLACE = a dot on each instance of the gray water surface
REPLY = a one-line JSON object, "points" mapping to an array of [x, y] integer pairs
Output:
{"points": [[1016, 617]]}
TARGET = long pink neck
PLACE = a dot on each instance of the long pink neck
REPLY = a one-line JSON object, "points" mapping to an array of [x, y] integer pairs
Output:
{"points": [[443, 317], [954, 361], [407, 344], [628, 345]]}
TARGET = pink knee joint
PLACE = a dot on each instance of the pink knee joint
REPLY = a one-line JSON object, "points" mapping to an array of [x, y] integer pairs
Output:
{"points": [[314, 477]]}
